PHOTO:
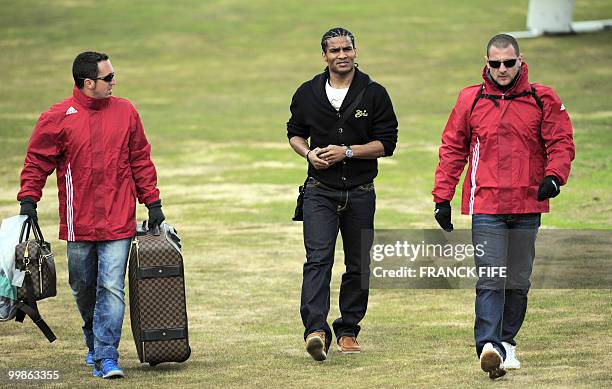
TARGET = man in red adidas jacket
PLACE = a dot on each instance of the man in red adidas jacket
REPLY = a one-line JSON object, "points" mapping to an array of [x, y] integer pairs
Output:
{"points": [[518, 137], [96, 144]]}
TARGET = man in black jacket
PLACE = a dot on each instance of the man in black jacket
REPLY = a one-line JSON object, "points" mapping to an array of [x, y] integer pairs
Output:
{"points": [[350, 122]]}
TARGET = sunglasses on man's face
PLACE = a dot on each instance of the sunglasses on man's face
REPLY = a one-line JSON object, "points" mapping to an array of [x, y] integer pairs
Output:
{"points": [[108, 78], [509, 63]]}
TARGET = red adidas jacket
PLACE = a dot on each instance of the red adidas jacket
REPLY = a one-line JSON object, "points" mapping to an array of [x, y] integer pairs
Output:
{"points": [[512, 145], [102, 158]]}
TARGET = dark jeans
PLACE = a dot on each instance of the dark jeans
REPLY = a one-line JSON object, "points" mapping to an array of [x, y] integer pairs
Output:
{"points": [[501, 303], [327, 211]]}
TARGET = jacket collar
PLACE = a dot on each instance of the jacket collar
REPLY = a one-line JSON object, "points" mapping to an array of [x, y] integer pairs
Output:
{"points": [[520, 85], [89, 102], [360, 81]]}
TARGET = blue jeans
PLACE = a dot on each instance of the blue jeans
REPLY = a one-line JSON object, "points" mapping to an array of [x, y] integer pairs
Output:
{"points": [[96, 273], [501, 303], [328, 211]]}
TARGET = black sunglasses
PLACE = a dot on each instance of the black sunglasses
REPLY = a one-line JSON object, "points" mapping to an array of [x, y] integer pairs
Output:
{"points": [[108, 78], [509, 63]]}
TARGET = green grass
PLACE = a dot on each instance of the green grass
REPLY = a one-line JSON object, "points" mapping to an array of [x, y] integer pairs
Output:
{"points": [[212, 81]]}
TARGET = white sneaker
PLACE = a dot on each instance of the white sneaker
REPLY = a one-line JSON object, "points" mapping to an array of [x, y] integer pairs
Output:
{"points": [[491, 361], [511, 361]]}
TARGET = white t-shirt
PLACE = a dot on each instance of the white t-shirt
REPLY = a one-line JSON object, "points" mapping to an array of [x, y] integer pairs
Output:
{"points": [[335, 96]]}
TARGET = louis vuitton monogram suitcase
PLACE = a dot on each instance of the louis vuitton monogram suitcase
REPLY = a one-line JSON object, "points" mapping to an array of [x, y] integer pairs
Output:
{"points": [[158, 311]]}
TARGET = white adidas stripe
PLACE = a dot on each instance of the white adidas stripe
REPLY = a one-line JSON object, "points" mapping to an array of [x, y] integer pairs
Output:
{"points": [[69, 209], [475, 157]]}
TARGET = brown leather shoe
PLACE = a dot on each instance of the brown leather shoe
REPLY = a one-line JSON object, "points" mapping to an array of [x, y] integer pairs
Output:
{"points": [[348, 345], [315, 345]]}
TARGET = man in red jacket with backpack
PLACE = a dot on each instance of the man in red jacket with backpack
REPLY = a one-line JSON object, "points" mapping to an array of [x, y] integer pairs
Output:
{"points": [[519, 140], [96, 144]]}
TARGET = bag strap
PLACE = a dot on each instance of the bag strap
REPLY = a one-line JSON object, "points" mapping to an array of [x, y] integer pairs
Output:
{"points": [[30, 308], [478, 96], [537, 99], [23, 309], [494, 98], [30, 297], [37, 231], [31, 224], [348, 110], [25, 230]]}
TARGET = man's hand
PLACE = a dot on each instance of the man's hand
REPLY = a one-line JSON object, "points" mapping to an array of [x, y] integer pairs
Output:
{"points": [[28, 207], [443, 215], [549, 188], [315, 160], [332, 153], [156, 216]]}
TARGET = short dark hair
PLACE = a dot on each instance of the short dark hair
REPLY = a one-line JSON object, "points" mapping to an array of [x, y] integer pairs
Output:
{"points": [[333, 33], [502, 41], [85, 65]]}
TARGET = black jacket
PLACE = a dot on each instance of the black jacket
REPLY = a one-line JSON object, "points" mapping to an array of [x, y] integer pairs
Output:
{"points": [[312, 116]]}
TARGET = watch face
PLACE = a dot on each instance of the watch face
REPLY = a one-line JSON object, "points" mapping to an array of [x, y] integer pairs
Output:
{"points": [[349, 153]]}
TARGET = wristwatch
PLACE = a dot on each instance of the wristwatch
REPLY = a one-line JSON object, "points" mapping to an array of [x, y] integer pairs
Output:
{"points": [[349, 152]]}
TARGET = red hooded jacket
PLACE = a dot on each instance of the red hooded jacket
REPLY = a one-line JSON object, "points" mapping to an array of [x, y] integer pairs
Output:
{"points": [[102, 158], [512, 145]]}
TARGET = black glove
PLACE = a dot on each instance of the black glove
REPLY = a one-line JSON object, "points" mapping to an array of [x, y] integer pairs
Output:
{"points": [[549, 188], [443, 215], [156, 216], [28, 207]]}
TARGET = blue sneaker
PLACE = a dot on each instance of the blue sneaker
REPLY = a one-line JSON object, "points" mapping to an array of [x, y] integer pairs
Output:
{"points": [[89, 358], [107, 368]]}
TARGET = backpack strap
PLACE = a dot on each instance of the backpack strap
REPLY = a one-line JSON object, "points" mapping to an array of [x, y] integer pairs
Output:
{"points": [[537, 98], [494, 98], [478, 97]]}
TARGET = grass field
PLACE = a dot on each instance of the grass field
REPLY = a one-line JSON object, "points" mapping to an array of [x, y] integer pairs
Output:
{"points": [[212, 82]]}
